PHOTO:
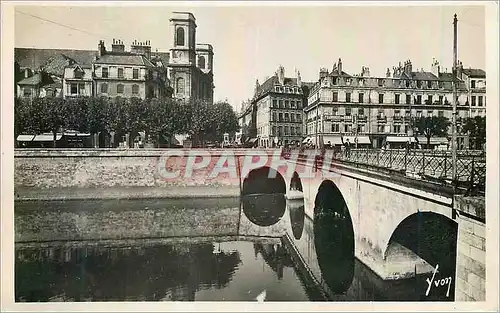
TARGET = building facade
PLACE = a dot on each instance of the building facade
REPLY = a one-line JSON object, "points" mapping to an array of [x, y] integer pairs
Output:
{"points": [[190, 64], [78, 81], [377, 111], [475, 82], [278, 105]]}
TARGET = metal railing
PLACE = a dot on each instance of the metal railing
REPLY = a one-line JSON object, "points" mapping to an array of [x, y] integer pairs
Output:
{"points": [[429, 165]]}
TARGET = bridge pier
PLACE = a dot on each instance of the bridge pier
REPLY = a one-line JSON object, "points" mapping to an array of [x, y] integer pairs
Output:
{"points": [[470, 274]]}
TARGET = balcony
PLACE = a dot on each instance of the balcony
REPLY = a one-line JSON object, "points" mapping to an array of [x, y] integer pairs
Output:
{"points": [[347, 118], [362, 118], [397, 119], [381, 119]]}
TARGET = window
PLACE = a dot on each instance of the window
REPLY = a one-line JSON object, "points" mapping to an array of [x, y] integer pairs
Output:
{"points": [[419, 113], [280, 130], [119, 88], [348, 81], [361, 111], [104, 88], [419, 84], [286, 117], [105, 72], [335, 96], [335, 80], [360, 98], [280, 117], [348, 111], [347, 128], [397, 128], [380, 128], [135, 73], [180, 85], [396, 98], [292, 130], [298, 130], [472, 84], [441, 113], [287, 104], [361, 82], [429, 84], [419, 99], [299, 117], [348, 97], [135, 89], [380, 98], [120, 73], [429, 99], [299, 104], [397, 113], [407, 83], [361, 128], [292, 117], [473, 101], [27, 92], [180, 37], [292, 104], [274, 117], [81, 88], [77, 73], [480, 101], [408, 99], [335, 111], [74, 89], [286, 131], [275, 103], [440, 99], [335, 128], [273, 131], [281, 103], [380, 113], [201, 61], [429, 113], [380, 82]]}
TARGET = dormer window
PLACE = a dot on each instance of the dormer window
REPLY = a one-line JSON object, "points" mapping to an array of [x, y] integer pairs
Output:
{"points": [[429, 84], [78, 73], [380, 82], [335, 80]]}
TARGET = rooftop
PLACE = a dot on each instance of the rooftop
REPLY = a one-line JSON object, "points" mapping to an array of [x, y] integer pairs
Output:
{"points": [[124, 58], [474, 72]]}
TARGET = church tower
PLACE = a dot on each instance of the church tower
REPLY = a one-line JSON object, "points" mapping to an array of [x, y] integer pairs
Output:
{"points": [[182, 53]]}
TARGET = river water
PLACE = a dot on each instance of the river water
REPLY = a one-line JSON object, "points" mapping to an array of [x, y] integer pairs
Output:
{"points": [[244, 253]]}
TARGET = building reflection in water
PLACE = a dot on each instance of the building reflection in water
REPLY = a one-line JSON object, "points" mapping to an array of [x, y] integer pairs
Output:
{"points": [[297, 217], [264, 209], [173, 272], [334, 238], [275, 257]]}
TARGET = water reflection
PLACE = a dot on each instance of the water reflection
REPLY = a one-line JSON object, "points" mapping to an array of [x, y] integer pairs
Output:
{"points": [[264, 210], [153, 273], [275, 256], [334, 238], [297, 217]]}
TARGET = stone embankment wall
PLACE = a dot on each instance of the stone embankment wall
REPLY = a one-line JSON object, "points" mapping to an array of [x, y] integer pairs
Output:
{"points": [[471, 249], [111, 173]]}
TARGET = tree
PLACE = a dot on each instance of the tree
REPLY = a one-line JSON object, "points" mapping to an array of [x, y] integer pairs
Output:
{"points": [[476, 128], [435, 126], [77, 114], [22, 118]]}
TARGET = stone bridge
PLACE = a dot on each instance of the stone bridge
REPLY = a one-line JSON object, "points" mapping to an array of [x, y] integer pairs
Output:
{"points": [[382, 208]]}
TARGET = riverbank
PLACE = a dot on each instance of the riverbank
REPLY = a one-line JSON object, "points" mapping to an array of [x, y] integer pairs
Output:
{"points": [[129, 193]]}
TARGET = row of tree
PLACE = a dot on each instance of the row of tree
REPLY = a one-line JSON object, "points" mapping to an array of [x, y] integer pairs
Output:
{"points": [[165, 117], [437, 126]]}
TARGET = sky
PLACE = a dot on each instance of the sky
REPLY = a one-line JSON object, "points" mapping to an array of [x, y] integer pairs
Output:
{"points": [[251, 42]]}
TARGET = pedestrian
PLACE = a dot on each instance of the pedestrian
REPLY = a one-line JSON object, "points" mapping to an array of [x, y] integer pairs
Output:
{"points": [[347, 147]]}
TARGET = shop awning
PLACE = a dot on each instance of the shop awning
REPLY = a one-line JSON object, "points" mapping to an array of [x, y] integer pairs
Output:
{"points": [[47, 137], [76, 134], [334, 140], [434, 140], [361, 139], [25, 137], [399, 139]]}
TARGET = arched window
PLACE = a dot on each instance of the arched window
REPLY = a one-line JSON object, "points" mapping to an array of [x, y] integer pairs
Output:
{"points": [[201, 61], [180, 37], [180, 85]]}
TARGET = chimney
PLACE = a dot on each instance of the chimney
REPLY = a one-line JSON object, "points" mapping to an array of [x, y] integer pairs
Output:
{"points": [[388, 73], [117, 46], [143, 48], [365, 71], [299, 79], [460, 68], [435, 69], [101, 49], [323, 72], [257, 85], [340, 66], [281, 75]]}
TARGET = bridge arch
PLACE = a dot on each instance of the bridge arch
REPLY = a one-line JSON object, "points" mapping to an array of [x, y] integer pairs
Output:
{"points": [[263, 180], [334, 237]]}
